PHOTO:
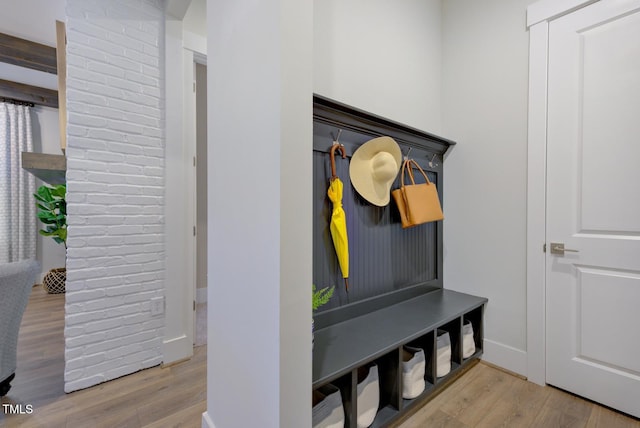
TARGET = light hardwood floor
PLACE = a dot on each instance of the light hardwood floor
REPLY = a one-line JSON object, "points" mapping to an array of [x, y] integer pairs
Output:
{"points": [[175, 396], [488, 397]]}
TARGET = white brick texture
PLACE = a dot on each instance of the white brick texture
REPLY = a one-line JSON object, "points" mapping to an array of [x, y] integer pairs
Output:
{"points": [[115, 187]]}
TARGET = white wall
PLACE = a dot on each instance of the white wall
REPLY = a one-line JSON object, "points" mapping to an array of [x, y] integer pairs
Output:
{"points": [[178, 225], [46, 139], [485, 80], [182, 45], [115, 193], [35, 20], [381, 56], [457, 68], [259, 195], [195, 20]]}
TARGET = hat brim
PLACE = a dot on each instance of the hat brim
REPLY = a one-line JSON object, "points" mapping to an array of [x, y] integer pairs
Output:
{"points": [[377, 192]]}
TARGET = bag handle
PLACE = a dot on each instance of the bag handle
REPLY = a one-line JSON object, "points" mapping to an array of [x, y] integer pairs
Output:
{"points": [[407, 166]]}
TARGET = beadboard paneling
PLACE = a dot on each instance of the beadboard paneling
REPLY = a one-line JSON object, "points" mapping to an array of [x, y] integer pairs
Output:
{"points": [[383, 256]]}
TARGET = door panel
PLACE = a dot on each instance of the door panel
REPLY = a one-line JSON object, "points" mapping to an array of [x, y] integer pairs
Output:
{"points": [[609, 124], [608, 341], [593, 204]]}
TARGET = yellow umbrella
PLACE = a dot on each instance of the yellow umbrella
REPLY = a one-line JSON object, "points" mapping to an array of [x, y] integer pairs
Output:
{"points": [[338, 225]]}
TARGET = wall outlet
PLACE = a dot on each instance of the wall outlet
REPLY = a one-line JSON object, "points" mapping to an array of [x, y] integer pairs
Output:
{"points": [[157, 306]]}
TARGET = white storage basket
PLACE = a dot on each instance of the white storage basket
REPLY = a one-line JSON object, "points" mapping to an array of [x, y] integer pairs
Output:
{"points": [[368, 397], [443, 353], [328, 412], [468, 343], [413, 366]]}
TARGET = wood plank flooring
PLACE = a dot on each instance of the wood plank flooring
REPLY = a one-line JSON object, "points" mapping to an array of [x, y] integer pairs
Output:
{"points": [[176, 396], [487, 397], [157, 397]]}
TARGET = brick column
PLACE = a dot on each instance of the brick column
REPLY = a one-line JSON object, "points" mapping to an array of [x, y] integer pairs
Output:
{"points": [[115, 179]]}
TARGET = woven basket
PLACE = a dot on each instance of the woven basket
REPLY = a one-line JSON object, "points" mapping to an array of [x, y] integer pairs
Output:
{"points": [[54, 280]]}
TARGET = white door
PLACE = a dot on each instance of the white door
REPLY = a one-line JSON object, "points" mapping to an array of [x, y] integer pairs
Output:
{"points": [[593, 204]]}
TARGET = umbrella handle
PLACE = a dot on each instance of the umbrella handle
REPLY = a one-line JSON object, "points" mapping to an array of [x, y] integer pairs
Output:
{"points": [[332, 151]]}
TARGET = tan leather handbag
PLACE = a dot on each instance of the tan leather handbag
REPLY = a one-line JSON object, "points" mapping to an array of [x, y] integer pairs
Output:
{"points": [[417, 203]]}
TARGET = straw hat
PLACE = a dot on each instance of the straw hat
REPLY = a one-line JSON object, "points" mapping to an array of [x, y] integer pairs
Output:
{"points": [[373, 168]]}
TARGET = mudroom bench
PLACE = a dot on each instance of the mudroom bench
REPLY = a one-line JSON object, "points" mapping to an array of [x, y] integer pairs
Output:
{"points": [[375, 330], [392, 330]]}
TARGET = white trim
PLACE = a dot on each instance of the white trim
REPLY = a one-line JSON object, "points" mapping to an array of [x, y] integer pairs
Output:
{"points": [[189, 149], [194, 42], [179, 276], [173, 350], [201, 295], [539, 15], [536, 202], [547, 10], [507, 357], [206, 421], [177, 9], [199, 58]]}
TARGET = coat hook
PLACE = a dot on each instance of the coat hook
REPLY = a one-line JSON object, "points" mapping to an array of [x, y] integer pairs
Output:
{"points": [[433, 164], [406, 157], [334, 138]]}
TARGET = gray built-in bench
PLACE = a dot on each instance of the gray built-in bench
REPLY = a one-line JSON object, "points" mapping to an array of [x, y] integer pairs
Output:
{"points": [[396, 295], [342, 346]]}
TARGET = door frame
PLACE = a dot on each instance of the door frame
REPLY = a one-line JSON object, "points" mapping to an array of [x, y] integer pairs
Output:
{"points": [[194, 50], [181, 48], [191, 124], [539, 15]]}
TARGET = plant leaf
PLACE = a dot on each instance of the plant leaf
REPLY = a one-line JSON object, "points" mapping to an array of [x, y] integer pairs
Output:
{"points": [[321, 296], [40, 198], [52, 211], [45, 193], [59, 191]]}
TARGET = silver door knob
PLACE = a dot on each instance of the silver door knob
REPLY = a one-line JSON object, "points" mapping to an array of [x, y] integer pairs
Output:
{"points": [[558, 248]]}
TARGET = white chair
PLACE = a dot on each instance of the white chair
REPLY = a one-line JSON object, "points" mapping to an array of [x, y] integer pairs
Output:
{"points": [[16, 282]]}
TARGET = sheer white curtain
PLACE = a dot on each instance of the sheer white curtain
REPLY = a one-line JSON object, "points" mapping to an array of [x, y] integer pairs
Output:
{"points": [[17, 207]]}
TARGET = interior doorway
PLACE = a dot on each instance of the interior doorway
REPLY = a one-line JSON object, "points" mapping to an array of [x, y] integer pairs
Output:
{"points": [[582, 285], [592, 281], [200, 328]]}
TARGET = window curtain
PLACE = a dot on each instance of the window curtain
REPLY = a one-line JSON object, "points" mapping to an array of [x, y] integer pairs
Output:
{"points": [[17, 206]]}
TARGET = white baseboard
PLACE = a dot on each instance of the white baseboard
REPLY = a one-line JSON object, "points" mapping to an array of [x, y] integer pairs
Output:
{"points": [[206, 421], [201, 295], [176, 349], [507, 357]]}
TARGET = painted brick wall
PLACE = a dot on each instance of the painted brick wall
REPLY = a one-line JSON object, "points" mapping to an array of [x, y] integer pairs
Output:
{"points": [[115, 181]]}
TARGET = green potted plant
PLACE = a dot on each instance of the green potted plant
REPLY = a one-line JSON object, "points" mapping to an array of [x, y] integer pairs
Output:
{"points": [[322, 296], [319, 298], [52, 212]]}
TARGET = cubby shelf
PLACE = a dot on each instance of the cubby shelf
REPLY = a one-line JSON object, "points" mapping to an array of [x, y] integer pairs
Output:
{"points": [[378, 336]]}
